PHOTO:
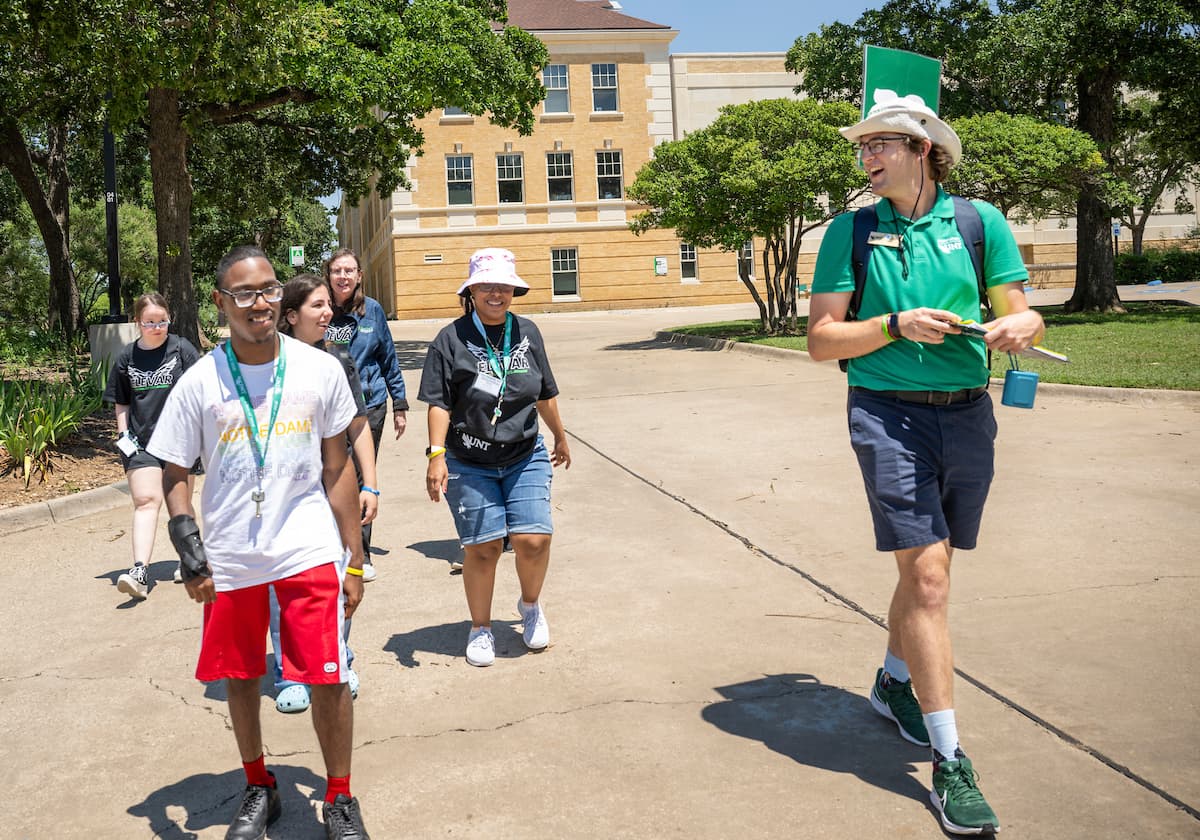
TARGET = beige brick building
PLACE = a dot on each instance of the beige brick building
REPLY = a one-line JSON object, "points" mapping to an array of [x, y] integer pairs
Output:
{"points": [[556, 198]]}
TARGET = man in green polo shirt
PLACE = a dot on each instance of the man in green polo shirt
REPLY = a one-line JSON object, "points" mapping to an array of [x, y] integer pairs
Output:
{"points": [[920, 417]]}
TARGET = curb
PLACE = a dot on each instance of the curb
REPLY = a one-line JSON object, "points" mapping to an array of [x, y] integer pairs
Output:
{"points": [[64, 508], [1134, 396]]}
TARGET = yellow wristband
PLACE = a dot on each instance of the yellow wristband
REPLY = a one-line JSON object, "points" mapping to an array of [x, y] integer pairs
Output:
{"points": [[350, 570], [883, 328], [435, 451]]}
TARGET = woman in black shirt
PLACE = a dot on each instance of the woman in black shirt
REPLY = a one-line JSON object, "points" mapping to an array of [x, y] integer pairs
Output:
{"points": [[487, 380], [143, 375]]}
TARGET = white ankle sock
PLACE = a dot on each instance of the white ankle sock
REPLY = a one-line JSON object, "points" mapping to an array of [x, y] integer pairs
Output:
{"points": [[943, 732], [895, 667]]}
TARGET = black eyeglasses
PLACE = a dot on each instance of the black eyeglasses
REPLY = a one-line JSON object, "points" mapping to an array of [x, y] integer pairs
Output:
{"points": [[876, 145], [245, 298]]}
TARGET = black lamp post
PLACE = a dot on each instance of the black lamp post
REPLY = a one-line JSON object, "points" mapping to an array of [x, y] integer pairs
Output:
{"points": [[114, 315]]}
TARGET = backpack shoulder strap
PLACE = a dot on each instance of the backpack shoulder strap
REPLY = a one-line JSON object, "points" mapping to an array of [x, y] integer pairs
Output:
{"points": [[865, 221], [970, 228]]}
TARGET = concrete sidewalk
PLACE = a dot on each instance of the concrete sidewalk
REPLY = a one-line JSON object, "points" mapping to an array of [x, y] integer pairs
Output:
{"points": [[714, 599]]}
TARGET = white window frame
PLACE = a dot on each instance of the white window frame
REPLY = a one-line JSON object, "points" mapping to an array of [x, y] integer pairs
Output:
{"points": [[457, 169], [510, 168], [688, 257], [559, 170], [556, 83], [610, 164], [748, 254], [564, 261], [604, 80]]}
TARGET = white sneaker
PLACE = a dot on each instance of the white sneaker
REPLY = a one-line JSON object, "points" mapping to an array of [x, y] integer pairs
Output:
{"points": [[481, 647], [178, 576], [535, 632], [368, 572], [352, 681], [133, 583]]}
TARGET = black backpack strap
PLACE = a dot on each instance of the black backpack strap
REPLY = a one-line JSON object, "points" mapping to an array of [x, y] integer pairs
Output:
{"points": [[866, 220], [970, 228]]}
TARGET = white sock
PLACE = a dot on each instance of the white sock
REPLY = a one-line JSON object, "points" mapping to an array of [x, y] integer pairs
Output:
{"points": [[943, 732], [896, 668]]}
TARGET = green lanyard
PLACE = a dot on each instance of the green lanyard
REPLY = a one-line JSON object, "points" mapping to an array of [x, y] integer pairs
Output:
{"points": [[501, 370], [260, 452]]}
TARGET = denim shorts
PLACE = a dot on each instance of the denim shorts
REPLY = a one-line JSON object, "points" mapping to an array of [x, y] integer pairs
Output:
{"points": [[489, 502], [927, 468]]}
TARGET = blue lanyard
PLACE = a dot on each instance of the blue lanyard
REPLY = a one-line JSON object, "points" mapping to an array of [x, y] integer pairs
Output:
{"points": [[499, 365], [235, 370]]}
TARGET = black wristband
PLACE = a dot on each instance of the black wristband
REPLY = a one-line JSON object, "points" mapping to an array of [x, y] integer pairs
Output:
{"points": [[893, 326]]}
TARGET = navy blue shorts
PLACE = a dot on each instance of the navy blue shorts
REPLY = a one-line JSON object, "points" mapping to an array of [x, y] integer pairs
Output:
{"points": [[927, 468]]}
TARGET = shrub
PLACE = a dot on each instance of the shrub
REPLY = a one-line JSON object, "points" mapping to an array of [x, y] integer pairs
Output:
{"points": [[1170, 265], [36, 416]]}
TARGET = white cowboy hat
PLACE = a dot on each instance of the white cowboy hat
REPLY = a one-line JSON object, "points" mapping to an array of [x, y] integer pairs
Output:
{"points": [[494, 265], [906, 115]]}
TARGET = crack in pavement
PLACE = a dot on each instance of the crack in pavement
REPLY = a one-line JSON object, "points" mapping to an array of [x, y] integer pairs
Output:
{"points": [[1097, 588], [848, 603]]}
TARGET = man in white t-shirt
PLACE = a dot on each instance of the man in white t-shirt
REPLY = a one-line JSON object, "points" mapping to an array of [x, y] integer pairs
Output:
{"points": [[267, 415]]}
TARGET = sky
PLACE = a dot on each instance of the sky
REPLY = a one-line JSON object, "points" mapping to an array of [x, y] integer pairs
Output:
{"points": [[743, 25]]}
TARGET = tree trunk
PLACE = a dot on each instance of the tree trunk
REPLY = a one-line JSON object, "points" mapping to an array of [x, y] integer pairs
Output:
{"points": [[173, 211], [744, 276], [1095, 281], [50, 210]]}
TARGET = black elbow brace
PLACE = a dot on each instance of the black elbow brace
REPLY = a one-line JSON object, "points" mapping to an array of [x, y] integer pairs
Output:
{"points": [[185, 536]]}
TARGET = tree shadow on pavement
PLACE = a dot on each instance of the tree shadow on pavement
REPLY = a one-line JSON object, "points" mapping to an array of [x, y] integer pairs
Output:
{"points": [[821, 726], [660, 344], [450, 639], [212, 800], [411, 354]]}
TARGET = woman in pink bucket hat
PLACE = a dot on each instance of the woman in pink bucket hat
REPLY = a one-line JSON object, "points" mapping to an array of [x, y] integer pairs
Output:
{"points": [[487, 381]]}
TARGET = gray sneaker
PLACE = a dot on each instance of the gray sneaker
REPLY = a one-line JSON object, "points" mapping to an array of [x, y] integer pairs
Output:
{"points": [[134, 583]]}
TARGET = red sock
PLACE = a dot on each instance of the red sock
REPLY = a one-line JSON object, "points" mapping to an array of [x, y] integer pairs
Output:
{"points": [[257, 773], [335, 785]]}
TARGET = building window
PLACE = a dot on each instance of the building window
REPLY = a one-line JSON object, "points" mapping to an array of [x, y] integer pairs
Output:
{"points": [[608, 175], [453, 111], [748, 256], [510, 178], [560, 176], [564, 271], [460, 182], [604, 87], [687, 261], [558, 95]]}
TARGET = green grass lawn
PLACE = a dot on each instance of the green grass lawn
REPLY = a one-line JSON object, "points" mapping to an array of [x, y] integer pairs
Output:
{"points": [[1153, 345]]}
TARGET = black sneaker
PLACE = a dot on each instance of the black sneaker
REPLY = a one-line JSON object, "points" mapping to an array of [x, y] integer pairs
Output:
{"points": [[343, 819], [260, 807]]}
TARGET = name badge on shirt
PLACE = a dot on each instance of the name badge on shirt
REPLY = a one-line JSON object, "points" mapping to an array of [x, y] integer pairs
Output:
{"points": [[487, 383], [887, 240]]}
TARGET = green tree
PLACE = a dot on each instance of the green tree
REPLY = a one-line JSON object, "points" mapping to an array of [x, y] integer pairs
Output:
{"points": [[1027, 168], [1060, 60], [1153, 158], [341, 80], [136, 247], [772, 170]]}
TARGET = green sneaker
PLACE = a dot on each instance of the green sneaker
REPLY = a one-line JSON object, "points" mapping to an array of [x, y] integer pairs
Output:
{"points": [[897, 703], [962, 807]]}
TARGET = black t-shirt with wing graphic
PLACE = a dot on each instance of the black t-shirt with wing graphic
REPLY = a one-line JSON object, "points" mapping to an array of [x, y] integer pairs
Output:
{"points": [[456, 357], [141, 379]]}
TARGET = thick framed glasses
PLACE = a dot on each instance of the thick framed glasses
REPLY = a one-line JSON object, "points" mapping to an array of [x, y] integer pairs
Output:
{"points": [[245, 298], [154, 325], [875, 146]]}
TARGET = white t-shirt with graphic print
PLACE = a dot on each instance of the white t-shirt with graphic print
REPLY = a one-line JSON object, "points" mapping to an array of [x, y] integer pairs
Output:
{"points": [[203, 417]]}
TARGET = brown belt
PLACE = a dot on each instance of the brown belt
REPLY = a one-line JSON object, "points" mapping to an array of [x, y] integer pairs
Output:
{"points": [[927, 397]]}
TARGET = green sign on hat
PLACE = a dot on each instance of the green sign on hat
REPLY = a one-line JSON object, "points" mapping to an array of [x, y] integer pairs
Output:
{"points": [[901, 72]]}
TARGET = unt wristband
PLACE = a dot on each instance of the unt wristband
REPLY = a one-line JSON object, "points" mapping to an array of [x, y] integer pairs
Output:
{"points": [[370, 490], [350, 570]]}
